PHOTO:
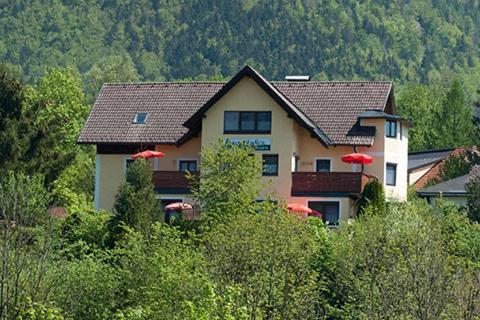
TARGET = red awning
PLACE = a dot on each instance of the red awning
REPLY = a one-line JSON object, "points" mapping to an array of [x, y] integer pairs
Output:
{"points": [[358, 158], [148, 154]]}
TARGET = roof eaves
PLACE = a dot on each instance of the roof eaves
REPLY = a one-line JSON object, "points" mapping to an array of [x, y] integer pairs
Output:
{"points": [[287, 105]]}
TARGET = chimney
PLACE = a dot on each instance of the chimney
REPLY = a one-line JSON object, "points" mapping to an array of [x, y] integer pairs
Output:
{"points": [[297, 78]]}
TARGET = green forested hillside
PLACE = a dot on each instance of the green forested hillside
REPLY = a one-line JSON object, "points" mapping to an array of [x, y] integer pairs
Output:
{"points": [[404, 40]]}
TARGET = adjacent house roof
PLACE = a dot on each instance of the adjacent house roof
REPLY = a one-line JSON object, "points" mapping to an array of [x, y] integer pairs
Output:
{"points": [[453, 187], [329, 110], [423, 158]]}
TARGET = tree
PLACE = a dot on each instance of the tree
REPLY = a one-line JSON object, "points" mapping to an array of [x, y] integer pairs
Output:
{"points": [[393, 266], [472, 187], [419, 103], [25, 241], [454, 122], [230, 181], [135, 203], [271, 259], [63, 106], [372, 196], [111, 69]]}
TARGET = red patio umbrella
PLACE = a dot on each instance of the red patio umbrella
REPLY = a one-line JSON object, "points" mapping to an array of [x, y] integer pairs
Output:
{"points": [[300, 208], [178, 206], [358, 158], [148, 154], [315, 213]]}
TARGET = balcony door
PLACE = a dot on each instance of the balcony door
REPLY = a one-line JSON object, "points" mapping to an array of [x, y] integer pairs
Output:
{"points": [[330, 211]]}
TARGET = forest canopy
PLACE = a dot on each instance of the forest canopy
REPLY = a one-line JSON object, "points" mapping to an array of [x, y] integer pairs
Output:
{"points": [[125, 40]]}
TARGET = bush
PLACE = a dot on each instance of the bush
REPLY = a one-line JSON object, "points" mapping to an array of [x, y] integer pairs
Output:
{"points": [[473, 189], [230, 182], [136, 205], [272, 258], [396, 266], [372, 196]]}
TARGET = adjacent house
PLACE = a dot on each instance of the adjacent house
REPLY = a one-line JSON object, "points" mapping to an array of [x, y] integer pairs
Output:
{"points": [[452, 190], [300, 129], [424, 166]]}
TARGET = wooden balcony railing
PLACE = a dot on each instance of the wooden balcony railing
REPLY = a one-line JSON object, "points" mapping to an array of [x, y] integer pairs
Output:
{"points": [[327, 183], [171, 182]]}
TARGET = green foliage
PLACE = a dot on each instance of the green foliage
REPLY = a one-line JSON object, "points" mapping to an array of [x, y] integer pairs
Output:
{"points": [[230, 181], [473, 189], [41, 137], [394, 266], [84, 231], [37, 311], [453, 121], [74, 187], [441, 114], [165, 278], [111, 69], [373, 197], [63, 106], [87, 289], [420, 41], [419, 103], [26, 231], [270, 258], [135, 203]]}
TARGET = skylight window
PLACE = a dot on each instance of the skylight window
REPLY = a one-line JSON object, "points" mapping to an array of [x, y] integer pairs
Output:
{"points": [[140, 117]]}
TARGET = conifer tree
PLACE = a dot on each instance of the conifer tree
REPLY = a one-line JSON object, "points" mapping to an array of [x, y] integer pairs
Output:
{"points": [[135, 203]]}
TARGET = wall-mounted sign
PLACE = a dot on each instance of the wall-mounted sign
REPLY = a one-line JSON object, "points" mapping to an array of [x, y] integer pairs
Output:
{"points": [[259, 144]]}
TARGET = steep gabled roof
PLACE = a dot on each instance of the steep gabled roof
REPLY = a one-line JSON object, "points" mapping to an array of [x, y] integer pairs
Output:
{"points": [[329, 110], [194, 122]]}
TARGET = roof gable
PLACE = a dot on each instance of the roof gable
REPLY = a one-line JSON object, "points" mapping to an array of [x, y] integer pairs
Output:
{"points": [[328, 110], [194, 122]]}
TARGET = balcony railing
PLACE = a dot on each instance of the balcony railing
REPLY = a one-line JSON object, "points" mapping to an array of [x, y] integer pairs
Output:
{"points": [[171, 182], [327, 183]]}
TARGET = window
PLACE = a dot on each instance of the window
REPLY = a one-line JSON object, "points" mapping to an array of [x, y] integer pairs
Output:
{"points": [[391, 179], [323, 165], [140, 118], [247, 122], [390, 129], [187, 165], [330, 211], [270, 164]]}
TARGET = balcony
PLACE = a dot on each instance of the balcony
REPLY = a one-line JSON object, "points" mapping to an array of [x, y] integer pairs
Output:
{"points": [[318, 184], [171, 182]]}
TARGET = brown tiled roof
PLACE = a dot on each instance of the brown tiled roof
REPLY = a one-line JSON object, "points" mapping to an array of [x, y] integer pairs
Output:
{"points": [[335, 106], [332, 106], [168, 105]]}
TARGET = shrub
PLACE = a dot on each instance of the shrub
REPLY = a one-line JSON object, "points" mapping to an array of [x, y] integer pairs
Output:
{"points": [[372, 196], [473, 189], [272, 259], [136, 205]]}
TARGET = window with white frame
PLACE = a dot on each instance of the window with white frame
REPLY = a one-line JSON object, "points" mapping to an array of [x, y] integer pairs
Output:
{"points": [[391, 174], [330, 211], [323, 165], [187, 165], [391, 129]]}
